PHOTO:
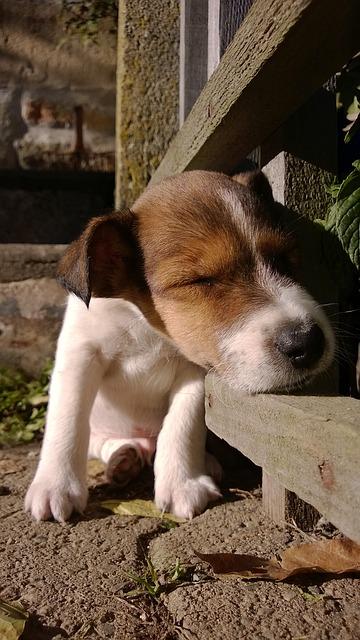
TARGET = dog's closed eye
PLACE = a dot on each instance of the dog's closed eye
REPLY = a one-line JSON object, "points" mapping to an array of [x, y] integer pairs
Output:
{"points": [[207, 281]]}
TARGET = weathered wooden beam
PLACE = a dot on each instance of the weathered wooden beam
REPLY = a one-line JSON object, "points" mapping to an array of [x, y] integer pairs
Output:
{"points": [[309, 444], [283, 51]]}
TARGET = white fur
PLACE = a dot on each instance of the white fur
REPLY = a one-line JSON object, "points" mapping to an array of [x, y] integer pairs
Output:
{"points": [[251, 365], [116, 383]]}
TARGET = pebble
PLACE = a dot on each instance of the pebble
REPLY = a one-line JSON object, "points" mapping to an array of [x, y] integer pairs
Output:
{"points": [[33, 454], [107, 630]]}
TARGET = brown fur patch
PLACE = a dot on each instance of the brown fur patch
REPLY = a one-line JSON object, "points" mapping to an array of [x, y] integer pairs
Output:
{"points": [[106, 262], [200, 256], [187, 256]]}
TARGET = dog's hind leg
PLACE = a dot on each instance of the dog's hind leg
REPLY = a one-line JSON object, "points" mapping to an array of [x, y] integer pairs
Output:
{"points": [[124, 457]]}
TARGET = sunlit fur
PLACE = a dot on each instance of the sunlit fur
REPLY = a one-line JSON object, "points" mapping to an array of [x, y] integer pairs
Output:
{"points": [[250, 362], [198, 275]]}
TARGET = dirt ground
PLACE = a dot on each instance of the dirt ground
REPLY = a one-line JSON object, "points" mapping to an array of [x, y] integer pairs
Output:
{"points": [[73, 578]]}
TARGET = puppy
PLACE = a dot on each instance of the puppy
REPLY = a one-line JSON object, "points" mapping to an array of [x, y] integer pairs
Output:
{"points": [[198, 275]]}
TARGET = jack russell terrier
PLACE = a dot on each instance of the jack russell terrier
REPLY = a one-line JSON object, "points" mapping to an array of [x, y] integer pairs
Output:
{"points": [[199, 274]]}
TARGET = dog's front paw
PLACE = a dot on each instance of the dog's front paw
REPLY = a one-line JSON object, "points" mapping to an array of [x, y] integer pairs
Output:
{"points": [[55, 498], [186, 498]]}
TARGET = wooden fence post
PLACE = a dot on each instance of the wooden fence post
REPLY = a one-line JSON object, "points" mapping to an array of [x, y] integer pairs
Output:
{"points": [[298, 182]]}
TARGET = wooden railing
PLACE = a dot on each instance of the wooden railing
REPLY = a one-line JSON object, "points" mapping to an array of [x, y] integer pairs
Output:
{"points": [[281, 54]]}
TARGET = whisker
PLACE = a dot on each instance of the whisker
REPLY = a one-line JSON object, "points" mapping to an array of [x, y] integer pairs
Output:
{"points": [[326, 304]]}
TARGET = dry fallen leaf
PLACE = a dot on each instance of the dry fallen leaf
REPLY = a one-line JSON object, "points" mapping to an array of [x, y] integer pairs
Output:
{"points": [[12, 620], [338, 556], [236, 564], [138, 507], [95, 468]]}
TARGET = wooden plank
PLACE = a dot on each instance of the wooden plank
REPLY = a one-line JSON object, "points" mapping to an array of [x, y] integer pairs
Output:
{"points": [[266, 73], [309, 444], [282, 505], [193, 53], [273, 497]]}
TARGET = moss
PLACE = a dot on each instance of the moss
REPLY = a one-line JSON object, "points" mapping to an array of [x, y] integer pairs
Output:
{"points": [[148, 58]]}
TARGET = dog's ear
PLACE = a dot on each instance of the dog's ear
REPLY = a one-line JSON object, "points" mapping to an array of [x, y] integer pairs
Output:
{"points": [[105, 261], [257, 182]]}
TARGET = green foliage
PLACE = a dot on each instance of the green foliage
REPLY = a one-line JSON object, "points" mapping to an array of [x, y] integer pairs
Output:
{"points": [[23, 405], [154, 584], [343, 219], [85, 18], [348, 96]]}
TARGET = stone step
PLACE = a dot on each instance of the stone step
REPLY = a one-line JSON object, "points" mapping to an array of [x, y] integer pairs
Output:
{"points": [[31, 304], [24, 261]]}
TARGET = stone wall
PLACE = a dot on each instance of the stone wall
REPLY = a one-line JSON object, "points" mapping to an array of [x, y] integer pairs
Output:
{"points": [[57, 116], [49, 82], [31, 305]]}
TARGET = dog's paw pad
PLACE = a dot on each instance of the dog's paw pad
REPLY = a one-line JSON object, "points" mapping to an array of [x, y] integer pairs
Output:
{"points": [[124, 465]]}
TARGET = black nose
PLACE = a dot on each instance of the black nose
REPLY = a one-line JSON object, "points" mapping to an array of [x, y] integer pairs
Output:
{"points": [[302, 344]]}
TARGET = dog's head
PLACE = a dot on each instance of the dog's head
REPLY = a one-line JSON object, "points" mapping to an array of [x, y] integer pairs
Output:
{"points": [[206, 260]]}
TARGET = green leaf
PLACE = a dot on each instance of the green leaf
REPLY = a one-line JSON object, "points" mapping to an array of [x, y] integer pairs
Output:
{"points": [[310, 597], [332, 189], [12, 620], [344, 216], [353, 130], [138, 507], [39, 399], [178, 572]]}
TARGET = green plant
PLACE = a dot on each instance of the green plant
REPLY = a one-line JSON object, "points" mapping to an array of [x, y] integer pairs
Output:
{"points": [[23, 404], [343, 219], [85, 18], [152, 583], [348, 96]]}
